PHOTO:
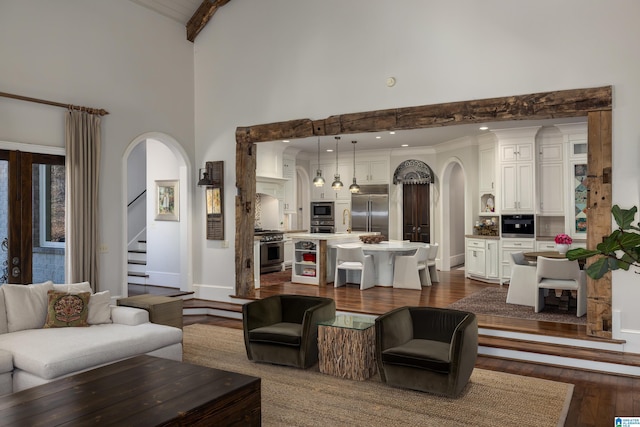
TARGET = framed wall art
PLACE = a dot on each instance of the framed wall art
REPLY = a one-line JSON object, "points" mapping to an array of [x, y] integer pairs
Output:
{"points": [[167, 200]]}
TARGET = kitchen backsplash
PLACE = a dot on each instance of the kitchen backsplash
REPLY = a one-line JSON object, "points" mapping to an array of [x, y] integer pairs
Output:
{"points": [[267, 213]]}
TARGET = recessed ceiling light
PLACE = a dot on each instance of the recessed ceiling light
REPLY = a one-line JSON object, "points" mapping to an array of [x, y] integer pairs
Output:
{"points": [[378, 137], [285, 140], [392, 133], [404, 145], [484, 127], [329, 150]]}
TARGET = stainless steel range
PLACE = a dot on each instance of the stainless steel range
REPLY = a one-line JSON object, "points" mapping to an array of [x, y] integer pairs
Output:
{"points": [[271, 250]]}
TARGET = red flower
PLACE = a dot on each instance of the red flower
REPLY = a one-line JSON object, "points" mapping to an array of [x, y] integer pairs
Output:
{"points": [[563, 239]]}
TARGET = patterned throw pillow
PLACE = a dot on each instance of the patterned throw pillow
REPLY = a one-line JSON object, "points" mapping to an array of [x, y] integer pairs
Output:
{"points": [[67, 309]]}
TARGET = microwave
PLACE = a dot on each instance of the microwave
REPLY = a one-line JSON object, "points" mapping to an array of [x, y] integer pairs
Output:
{"points": [[322, 211], [517, 226]]}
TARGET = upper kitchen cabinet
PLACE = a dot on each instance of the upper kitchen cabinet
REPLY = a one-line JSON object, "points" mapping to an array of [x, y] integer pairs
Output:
{"points": [[487, 174], [372, 171], [551, 182], [289, 173], [516, 149], [326, 193]]}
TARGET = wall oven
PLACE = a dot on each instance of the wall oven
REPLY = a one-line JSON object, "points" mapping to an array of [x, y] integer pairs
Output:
{"points": [[322, 217], [517, 226]]}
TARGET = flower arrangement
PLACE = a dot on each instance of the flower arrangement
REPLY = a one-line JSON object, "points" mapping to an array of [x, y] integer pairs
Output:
{"points": [[563, 239]]}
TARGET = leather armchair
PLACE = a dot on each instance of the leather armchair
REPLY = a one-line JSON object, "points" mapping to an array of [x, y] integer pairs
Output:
{"points": [[283, 329], [427, 349]]}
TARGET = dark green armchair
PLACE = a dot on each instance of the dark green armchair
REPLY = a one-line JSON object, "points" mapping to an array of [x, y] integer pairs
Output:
{"points": [[427, 349], [283, 329]]}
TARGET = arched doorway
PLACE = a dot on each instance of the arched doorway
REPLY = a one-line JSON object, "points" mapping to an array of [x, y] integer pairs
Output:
{"points": [[454, 214], [151, 160]]}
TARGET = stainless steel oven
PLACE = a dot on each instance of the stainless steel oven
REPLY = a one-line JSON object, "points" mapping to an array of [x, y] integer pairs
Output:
{"points": [[271, 250]]}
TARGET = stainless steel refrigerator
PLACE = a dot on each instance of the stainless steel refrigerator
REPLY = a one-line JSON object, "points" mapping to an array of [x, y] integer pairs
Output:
{"points": [[370, 209]]}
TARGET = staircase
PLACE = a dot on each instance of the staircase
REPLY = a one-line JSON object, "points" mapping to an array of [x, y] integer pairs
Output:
{"points": [[137, 264]]}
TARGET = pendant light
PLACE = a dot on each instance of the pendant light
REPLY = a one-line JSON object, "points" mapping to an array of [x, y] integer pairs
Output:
{"points": [[318, 181], [354, 188], [337, 184]]}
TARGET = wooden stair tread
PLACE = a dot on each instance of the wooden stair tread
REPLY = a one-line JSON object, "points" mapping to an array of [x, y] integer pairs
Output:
{"points": [[137, 251], [136, 262], [137, 274], [560, 350]]}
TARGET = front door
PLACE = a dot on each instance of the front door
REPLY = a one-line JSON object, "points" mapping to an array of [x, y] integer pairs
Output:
{"points": [[415, 212], [32, 213]]}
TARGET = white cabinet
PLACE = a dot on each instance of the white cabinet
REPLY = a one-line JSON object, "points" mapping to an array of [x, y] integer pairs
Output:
{"points": [[288, 251], [508, 247], [486, 167], [551, 179], [545, 245], [342, 215], [517, 187], [289, 173], [372, 172], [305, 268], [481, 260], [325, 192], [520, 152]]}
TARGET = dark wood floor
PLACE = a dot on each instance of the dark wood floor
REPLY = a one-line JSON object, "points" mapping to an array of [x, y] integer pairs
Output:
{"points": [[597, 397]]}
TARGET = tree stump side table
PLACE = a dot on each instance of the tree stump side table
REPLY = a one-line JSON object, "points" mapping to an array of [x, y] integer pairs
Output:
{"points": [[346, 347], [162, 310]]}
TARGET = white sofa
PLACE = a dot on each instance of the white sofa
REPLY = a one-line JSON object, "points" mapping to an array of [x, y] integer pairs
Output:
{"points": [[31, 354]]}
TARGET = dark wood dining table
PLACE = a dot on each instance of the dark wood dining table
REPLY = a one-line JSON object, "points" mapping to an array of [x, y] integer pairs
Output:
{"points": [[533, 256]]}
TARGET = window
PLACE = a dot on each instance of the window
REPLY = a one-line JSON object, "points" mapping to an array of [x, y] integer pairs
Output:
{"points": [[51, 207]]}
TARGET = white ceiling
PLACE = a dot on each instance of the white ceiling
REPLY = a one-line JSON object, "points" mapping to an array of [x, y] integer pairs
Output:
{"points": [[416, 137], [178, 10], [182, 10]]}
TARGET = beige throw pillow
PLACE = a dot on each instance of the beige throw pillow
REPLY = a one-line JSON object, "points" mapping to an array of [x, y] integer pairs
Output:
{"points": [[73, 288], [26, 305], [100, 308]]}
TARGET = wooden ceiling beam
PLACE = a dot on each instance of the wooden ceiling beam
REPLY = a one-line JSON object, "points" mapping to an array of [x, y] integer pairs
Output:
{"points": [[201, 16]]}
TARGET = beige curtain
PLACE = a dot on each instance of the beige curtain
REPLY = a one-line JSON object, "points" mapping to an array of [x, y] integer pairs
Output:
{"points": [[83, 164]]}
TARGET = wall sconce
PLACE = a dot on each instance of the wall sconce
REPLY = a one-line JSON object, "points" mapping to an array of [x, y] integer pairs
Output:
{"points": [[204, 178]]}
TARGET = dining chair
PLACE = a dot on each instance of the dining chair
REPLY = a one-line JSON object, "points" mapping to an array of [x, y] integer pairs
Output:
{"points": [[410, 271], [522, 285], [431, 263], [561, 274], [353, 259]]}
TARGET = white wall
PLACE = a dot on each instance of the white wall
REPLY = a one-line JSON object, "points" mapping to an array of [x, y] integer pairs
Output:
{"points": [[260, 62], [136, 184], [163, 237], [111, 54]]}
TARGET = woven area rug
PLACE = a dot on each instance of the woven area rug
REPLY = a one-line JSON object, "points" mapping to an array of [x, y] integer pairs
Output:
{"points": [[296, 397], [492, 301]]}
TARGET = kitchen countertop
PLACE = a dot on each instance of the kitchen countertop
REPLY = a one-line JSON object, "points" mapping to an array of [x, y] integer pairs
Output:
{"points": [[331, 236], [480, 236]]}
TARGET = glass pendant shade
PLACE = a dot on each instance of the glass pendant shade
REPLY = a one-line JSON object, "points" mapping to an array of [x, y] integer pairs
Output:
{"points": [[318, 181], [354, 188], [337, 184]]}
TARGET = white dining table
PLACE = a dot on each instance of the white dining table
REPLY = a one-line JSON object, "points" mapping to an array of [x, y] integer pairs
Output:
{"points": [[384, 254]]}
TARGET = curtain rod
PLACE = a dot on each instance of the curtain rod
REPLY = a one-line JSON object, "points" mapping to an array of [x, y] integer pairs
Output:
{"points": [[99, 111]]}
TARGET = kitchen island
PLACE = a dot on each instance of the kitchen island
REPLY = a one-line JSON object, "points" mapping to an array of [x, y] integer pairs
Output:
{"points": [[311, 262]]}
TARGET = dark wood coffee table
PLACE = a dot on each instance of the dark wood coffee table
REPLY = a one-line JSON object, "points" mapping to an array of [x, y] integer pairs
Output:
{"points": [[141, 391]]}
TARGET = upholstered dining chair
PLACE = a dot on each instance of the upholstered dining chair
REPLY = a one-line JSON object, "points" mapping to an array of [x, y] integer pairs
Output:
{"points": [[431, 263], [351, 258], [283, 329], [561, 274], [427, 349], [522, 285], [410, 271]]}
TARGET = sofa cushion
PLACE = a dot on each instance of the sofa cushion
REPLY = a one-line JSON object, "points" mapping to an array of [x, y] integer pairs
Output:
{"points": [[4, 327], [100, 308], [280, 333], [73, 349], [26, 305], [6, 362], [421, 354], [66, 310], [72, 288]]}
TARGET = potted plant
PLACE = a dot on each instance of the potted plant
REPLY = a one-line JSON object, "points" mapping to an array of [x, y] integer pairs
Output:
{"points": [[619, 250], [563, 241]]}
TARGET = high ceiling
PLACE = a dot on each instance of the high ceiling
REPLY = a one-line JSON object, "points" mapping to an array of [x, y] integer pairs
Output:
{"points": [[182, 11]]}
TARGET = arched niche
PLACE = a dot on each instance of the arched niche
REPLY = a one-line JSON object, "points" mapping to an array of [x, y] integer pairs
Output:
{"points": [[593, 103]]}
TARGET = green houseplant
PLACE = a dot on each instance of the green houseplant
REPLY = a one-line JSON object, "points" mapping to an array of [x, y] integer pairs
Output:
{"points": [[619, 250]]}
